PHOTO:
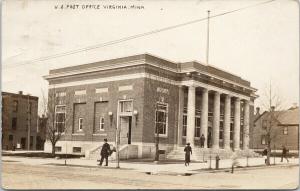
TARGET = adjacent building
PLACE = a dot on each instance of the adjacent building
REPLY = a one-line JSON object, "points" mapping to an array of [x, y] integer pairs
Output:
{"points": [[19, 121], [284, 133], [143, 96]]}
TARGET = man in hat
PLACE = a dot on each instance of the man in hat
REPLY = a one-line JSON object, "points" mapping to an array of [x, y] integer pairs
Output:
{"points": [[202, 140], [188, 152], [105, 151]]}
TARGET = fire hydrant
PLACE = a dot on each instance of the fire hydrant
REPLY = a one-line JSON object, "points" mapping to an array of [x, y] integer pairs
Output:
{"points": [[217, 162]]}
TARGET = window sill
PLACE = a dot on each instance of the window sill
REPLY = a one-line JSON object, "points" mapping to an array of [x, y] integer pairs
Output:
{"points": [[161, 136], [82, 134], [99, 134]]}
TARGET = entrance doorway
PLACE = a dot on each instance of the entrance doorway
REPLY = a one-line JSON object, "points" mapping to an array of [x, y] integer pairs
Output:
{"points": [[125, 129]]}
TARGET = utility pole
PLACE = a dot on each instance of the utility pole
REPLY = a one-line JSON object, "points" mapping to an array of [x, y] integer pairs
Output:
{"points": [[28, 122], [207, 40]]}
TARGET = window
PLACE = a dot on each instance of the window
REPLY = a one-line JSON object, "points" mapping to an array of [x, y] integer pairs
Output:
{"points": [[60, 118], [101, 123], [57, 149], [10, 138], [285, 130], [264, 124], [161, 119], [14, 123], [231, 131], [197, 126], [30, 107], [221, 130], [76, 149], [184, 125], [126, 106], [80, 124], [263, 139], [15, 106]]}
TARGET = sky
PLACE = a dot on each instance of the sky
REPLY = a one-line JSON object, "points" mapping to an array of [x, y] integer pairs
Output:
{"points": [[259, 43]]}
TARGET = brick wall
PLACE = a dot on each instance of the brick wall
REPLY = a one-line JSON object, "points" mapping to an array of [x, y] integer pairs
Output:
{"points": [[11, 137]]}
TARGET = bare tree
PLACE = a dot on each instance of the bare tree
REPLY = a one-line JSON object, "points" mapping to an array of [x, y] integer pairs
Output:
{"points": [[272, 103], [54, 130]]}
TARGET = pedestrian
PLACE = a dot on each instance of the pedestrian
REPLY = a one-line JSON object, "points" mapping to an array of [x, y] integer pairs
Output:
{"points": [[188, 152], [202, 140], [105, 152], [284, 153]]}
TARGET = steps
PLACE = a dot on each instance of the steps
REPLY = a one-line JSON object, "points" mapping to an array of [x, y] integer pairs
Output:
{"points": [[203, 154], [125, 152]]}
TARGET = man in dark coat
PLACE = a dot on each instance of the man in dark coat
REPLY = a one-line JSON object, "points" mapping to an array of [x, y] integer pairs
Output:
{"points": [[202, 140], [188, 152], [283, 155], [105, 152]]}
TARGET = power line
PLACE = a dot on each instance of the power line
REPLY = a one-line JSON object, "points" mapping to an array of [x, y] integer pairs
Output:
{"points": [[7, 66]]}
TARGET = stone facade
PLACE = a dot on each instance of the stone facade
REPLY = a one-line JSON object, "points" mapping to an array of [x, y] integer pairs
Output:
{"points": [[16, 110], [143, 96]]}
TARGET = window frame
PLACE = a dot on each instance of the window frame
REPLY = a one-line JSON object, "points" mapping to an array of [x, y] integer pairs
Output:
{"points": [[184, 125], [285, 131], [263, 140], [64, 121], [15, 105], [166, 119], [197, 117], [101, 124], [80, 124], [120, 106]]}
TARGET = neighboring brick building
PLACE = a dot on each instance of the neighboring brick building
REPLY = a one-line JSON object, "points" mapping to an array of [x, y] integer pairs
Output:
{"points": [[144, 94], [17, 109], [286, 132]]}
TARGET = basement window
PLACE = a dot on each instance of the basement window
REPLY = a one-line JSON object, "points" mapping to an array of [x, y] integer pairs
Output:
{"points": [[76, 149]]}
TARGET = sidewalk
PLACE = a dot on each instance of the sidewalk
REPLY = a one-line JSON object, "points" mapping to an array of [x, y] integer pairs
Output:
{"points": [[150, 167]]}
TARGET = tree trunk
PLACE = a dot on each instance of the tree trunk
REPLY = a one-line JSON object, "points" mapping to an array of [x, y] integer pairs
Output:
{"points": [[53, 149], [269, 153], [156, 148]]}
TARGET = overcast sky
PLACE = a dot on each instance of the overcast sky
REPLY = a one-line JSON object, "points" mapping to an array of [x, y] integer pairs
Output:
{"points": [[259, 44]]}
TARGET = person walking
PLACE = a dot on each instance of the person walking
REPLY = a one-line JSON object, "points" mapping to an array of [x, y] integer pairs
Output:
{"points": [[283, 155], [264, 154], [188, 152], [105, 152], [202, 140]]}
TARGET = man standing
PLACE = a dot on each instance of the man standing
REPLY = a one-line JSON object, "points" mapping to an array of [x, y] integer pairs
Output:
{"points": [[283, 155], [202, 140], [105, 151], [188, 152]]}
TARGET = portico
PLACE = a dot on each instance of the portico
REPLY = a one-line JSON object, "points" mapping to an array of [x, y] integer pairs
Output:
{"points": [[224, 116]]}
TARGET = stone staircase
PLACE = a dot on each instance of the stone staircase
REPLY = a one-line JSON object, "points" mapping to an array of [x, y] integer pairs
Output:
{"points": [[203, 154], [125, 152]]}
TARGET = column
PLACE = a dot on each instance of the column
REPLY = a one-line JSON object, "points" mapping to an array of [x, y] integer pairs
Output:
{"points": [[204, 115], [216, 121], [190, 134], [246, 125], [180, 115], [227, 122], [237, 124]]}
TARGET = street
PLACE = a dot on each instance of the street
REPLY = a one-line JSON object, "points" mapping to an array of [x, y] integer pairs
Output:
{"points": [[24, 176]]}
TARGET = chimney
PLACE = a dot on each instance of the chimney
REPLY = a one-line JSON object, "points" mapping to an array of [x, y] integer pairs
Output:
{"points": [[21, 92], [257, 111]]}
